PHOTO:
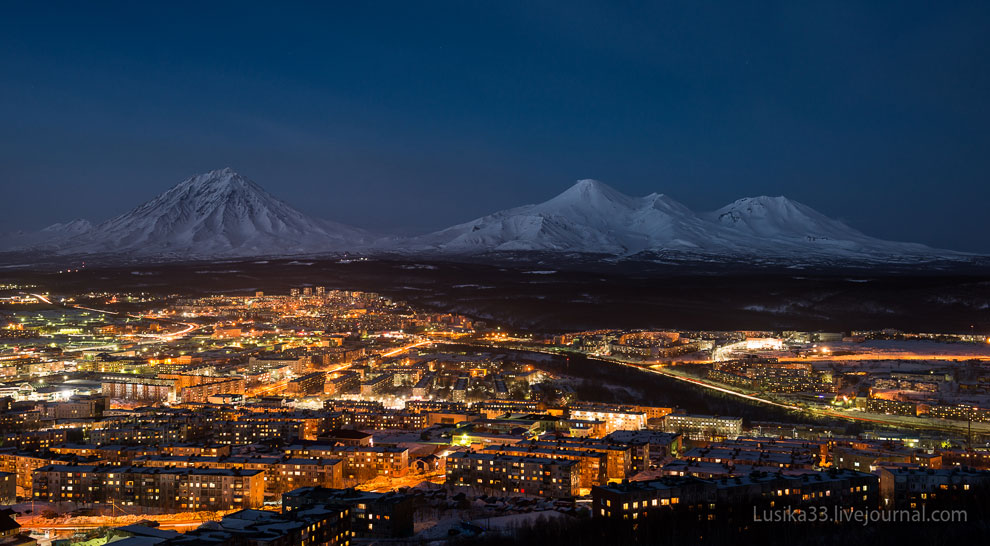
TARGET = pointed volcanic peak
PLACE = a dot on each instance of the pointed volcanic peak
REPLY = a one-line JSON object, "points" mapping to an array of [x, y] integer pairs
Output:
{"points": [[588, 217], [219, 213], [575, 220], [589, 198], [781, 225], [766, 216]]}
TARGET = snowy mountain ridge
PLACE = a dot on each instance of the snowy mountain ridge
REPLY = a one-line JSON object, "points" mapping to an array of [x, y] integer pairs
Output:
{"points": [[595, 218], [223, 214]]}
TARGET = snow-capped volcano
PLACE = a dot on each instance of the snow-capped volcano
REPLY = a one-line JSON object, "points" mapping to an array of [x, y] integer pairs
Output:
{"points": [[592, 217], [779, 217], [588, 217], [777, 225], [219, 213]]}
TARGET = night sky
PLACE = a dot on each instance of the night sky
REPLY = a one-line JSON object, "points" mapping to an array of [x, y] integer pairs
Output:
{"points": [[398, 117]]}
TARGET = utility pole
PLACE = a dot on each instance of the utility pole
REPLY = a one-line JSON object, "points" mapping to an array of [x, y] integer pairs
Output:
{"points": [[969, 433]]}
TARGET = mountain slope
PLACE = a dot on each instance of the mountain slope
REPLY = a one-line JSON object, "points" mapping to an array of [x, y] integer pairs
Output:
{"points": [[46, 237], [219, 213], [779, 225], [588, 217]]}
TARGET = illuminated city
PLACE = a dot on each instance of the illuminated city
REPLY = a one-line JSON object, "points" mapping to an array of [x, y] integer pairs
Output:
{"points": [[128, 408]]}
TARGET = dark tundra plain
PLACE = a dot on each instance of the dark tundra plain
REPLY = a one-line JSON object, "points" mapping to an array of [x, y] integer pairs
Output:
{"points": [[553, 296]]}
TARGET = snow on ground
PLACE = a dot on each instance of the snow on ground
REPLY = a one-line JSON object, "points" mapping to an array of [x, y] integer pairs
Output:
{"points": [[507, 523]]}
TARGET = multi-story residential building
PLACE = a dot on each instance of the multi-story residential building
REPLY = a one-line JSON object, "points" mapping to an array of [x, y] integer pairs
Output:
{"points": [[318, 526], [344, 406], [20, 419], [755, 454], [368, 420], [615, 417], [913, 487], [341, 383], [292, 474], [703, 427], [202, 392], [8, 488], [539, 476], [892, 407], [296, 365], [140, 388], [372, 515], [164, 489], [450, 417], [422, 387], [459, 393], [266, 464], [494, 408], [867, 458], [76, 407], [309, 384], [347, 437], [660, 444], [254, 430], [377, 385], [959, 412], [35, 440], [23, 464], [427, 406], [618, 457], [360, 462], [196, 450], [965, 457], [139, 435], [732, 499], [110, 454], [591, 466]]}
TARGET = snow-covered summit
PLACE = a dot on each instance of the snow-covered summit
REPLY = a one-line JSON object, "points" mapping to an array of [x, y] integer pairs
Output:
{"points": [[766, 216], [590, 216], [219, 213]]}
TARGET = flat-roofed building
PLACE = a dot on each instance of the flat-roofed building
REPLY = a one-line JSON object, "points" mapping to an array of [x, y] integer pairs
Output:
{"points": [[372, 515], [360, 462], [591, 466], [309, 384], [538, 476], [165, 489], [615, 417], [703, 427], [377, 385], [904, 487], [732, 499], [8, 488]]}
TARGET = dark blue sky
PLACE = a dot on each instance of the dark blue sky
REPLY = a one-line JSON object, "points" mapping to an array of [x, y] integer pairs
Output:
{"points": [[395, 116]]}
